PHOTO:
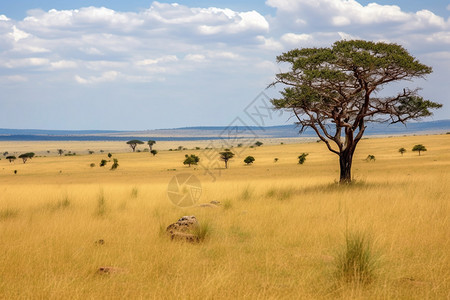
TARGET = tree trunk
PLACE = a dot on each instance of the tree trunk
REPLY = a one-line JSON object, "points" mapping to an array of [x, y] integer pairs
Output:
{"points": [[345, 163], [226, 164]]}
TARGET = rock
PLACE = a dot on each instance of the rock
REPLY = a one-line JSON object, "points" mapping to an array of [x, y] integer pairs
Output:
{"points": [[182, 229]]}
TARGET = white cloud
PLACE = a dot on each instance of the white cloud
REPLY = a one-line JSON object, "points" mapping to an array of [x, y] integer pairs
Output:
{"points": [[18, 34], [63, 64], [105, 77], [195, 58], [154, 61], [296, 39], [13, 78]]}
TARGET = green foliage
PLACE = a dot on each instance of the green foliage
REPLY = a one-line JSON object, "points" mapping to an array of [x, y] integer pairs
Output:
{"points": [[275, 159], [26, 156], [419, 148], [154, 152], [191, 160], [115, 164], [302, 158], [356, 262], [150, 144], [103, 163], [258, 143], [370, 157], [334, 91], [91, 152], [11, 158], [134, 143], [5, 153], [109, 155], [402, 150], [226, 155], [249, 160], [60, 151]]}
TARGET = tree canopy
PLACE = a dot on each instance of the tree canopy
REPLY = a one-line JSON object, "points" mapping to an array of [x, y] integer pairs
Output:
{"points": [[134, 143], [419, 148], [150, 144], [191, 159], [225, 156], [335, 91]]}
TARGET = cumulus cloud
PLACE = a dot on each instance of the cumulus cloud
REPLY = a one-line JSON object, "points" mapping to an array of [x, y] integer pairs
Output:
{"points": [[104, 77]]}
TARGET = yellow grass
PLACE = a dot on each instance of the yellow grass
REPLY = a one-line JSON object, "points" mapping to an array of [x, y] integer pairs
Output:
{"points": [[275, 235]]}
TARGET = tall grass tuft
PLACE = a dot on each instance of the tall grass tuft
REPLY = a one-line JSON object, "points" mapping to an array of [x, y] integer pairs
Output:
{"points": [[8, 213], [357, 261], [134, 192], [202, 230], [247, 193], [101, 204]]}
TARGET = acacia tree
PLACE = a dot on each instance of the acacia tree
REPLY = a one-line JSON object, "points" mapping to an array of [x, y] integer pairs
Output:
{"points": [[226, 156], [402, 150], [134, 143], [150, 144], [334, 92], [24, 157], [419, 148], [11, 158], [60, 151], [191, 159]]}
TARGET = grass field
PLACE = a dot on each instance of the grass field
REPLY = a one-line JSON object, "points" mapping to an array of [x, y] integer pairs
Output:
{"points": [[276, 235]]}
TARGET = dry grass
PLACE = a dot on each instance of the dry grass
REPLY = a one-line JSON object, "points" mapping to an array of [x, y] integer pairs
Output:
{"points": [[276, 234]]}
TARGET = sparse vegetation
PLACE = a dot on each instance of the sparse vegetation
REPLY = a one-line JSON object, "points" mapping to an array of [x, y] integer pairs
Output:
{"points": [[11, 158], [258, 144], [302, 158], [370, 157], [115, 164], [402, 150], [154, 152], [191, 160], [249, 160], [226, 156], [133, 144], [419, 148], [103, 163]]}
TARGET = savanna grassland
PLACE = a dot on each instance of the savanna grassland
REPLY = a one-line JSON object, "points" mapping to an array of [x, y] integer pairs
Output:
{"points": [[277, 234]]}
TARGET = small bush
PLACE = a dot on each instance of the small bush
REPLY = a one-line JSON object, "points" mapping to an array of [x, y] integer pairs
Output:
{"points": [[302, 158], [202, 230], [370, 157], [8, 213], [249, 160], [115, 164], [134, 192], [356, 262], [103, 163], [92, 165], [275, 159]]}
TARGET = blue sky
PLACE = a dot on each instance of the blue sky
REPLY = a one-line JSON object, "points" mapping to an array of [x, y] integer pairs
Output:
{"points": [[132, 65]]}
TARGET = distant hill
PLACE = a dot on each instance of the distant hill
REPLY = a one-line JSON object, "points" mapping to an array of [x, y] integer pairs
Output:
{"points": [[210, 132]]}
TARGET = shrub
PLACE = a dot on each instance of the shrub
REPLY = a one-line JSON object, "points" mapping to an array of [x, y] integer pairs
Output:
{"points": [[402, 150], [115, 164], [191, 160], [109, 155], [249, 160], [154, 152], [258, 143], [103, 162], [302, 158], [275, 159], [92, 165], [356, 261], [370, 157]]}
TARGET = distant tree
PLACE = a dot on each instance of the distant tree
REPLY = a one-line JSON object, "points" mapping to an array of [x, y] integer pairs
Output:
{"points": [[275, 159], [258, 143], [370, 157], [30, 155], [115, 164], [402, 150], [226, 156], [150, 144], [191, 159], [91, 152], [15, 171], [11, 158], [249, 160], [180, 148], [420, 148], [60, 151], [302, 158], [109, 155], [336, 91], [24, 157], [103, 163], [239, 145], [154, 152], [5, 153], [134, 143]]}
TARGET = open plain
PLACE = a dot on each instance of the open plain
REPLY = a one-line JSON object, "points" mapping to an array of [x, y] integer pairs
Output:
{"points": [[275, 235]]}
